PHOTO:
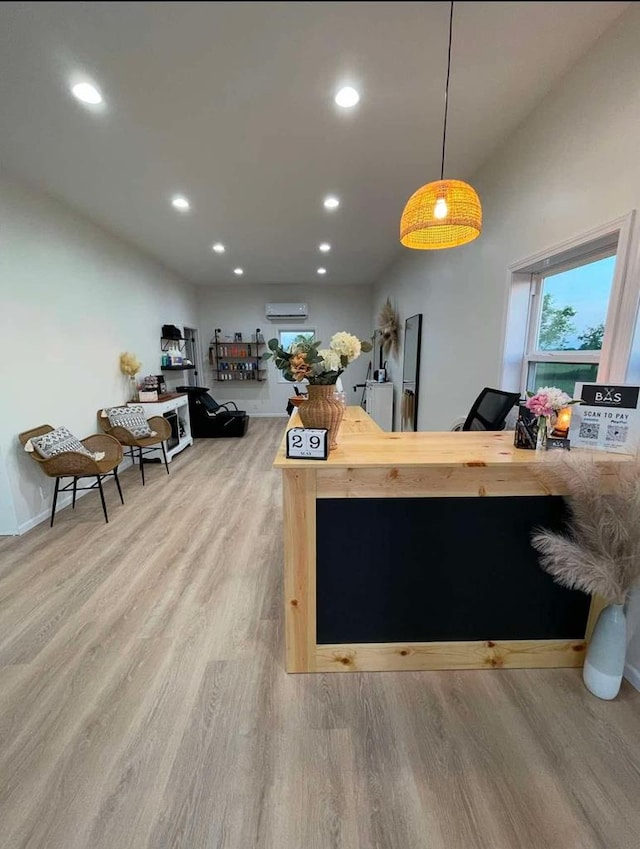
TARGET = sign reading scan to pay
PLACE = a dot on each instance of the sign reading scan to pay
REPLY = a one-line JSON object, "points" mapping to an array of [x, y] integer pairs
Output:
{"points": [[607, 419]]}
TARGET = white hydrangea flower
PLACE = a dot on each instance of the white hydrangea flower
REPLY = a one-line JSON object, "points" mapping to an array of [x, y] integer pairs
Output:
{"points": [[557, 398], [346, 345], [330, 360]]}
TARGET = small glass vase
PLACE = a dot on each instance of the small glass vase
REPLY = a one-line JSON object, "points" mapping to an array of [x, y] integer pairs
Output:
{"points": [[133, 388], [543, 432]]}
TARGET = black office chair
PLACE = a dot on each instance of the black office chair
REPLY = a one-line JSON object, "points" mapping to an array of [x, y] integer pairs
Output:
{"points": [[490, 410]]}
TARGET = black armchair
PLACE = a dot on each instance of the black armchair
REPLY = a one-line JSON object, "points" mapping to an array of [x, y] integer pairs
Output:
{"points": [[210, 419]]}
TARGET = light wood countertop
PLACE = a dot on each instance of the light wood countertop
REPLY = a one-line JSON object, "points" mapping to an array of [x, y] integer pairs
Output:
{"points": [[362, 444]]}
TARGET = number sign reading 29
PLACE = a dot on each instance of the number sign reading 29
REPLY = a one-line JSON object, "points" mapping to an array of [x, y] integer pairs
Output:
{"points": [[307, 443]]}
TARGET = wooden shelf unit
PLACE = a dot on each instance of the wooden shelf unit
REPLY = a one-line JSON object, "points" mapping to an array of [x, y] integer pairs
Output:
{"points": [[176, 368], [237, 360]]}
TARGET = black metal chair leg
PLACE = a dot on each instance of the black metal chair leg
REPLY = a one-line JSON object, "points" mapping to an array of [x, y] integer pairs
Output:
{"points": [[75, 484], [104, 504], [115, 474], [132, 455], [164, 454], [55, 499], [141, 464]]}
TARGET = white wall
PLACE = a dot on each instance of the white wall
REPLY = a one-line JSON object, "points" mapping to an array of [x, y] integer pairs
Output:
{"points": [[241, 309], [571, 166], [73, 298], [8, 521]]}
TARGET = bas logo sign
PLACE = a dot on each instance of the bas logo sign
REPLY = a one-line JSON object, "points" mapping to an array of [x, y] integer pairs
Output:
{"points": [[610, 396]]}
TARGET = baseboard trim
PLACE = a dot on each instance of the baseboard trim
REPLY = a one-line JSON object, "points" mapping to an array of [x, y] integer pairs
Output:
{"points": [[64, 500], [632, 675]]}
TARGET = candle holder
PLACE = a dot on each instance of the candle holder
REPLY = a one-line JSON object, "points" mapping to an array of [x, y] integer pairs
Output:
{"points": [[562, 423]]}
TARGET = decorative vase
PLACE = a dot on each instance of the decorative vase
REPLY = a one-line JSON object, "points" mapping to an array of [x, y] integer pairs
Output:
{"points": [[543, 432], [604, 663], [133, 388], [322, 409]]}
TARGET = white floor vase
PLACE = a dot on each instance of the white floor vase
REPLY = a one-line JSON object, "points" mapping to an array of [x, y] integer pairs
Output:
{"points": [[604, 664]]}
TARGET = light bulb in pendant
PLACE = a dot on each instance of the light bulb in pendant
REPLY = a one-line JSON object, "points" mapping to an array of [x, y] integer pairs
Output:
{"points": [[441, 209]]}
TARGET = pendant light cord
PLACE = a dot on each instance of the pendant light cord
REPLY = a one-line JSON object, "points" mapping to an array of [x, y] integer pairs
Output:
{"points": [[446, 93]]}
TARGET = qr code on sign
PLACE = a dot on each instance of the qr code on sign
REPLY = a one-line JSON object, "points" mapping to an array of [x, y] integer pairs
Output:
{"points": [[589, 430], [617, 433]]}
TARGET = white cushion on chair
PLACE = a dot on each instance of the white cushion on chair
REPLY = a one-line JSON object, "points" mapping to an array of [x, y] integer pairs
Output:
{"points": [[131, 418], [57, 441]]}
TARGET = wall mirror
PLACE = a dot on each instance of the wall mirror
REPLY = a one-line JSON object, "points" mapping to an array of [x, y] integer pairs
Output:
{"points": [[411, 372]]}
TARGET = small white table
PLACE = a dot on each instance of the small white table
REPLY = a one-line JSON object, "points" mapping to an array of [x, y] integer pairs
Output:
{"points": [[166, 404]]}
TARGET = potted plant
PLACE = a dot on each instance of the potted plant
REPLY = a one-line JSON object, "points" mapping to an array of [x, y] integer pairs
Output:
{"points": [[321, 368], [599, 553]]}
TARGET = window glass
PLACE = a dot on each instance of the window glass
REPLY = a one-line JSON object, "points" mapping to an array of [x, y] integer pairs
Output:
{"points": [[563, 375], [287, 337], [574, 307]]}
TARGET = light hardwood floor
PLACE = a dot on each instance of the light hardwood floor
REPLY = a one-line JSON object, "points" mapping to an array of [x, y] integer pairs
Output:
{"points": [[144, 702]]}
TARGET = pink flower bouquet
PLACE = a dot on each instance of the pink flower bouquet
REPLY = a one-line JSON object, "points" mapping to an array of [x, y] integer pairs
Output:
{"points": [[546, 404]]}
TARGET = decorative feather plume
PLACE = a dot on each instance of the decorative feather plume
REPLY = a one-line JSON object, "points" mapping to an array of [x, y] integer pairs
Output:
{"points": [[388, 328], [600, 553]]}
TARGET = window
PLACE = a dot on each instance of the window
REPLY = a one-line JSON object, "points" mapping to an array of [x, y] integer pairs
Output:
{"points": [[286, 338], [569, 307], [572, 310]]}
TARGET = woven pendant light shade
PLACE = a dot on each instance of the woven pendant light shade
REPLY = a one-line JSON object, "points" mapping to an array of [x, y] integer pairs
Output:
{"points": [[442, 214], [445, 213]]}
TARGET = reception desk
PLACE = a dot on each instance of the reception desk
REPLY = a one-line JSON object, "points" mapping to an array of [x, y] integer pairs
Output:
{"points": [[412, 551]]}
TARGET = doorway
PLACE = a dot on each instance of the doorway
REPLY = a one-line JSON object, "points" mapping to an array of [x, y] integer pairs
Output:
{"points": [[192, 353]]}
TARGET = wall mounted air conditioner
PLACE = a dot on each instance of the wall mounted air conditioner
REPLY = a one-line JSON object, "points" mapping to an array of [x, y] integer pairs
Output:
{"points": [[278, 312]]}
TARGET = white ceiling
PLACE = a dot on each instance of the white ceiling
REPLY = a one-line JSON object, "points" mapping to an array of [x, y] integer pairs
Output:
{"points": [[232, 105]]}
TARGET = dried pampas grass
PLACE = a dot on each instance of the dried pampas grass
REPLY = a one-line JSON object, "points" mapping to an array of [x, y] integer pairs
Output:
{"points": [[388, 328], [129, 364], [600, 553]]}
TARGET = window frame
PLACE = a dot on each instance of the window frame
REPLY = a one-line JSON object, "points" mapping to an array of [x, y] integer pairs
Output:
{"points": [[619, 341], [533, 354], [305, 330]]}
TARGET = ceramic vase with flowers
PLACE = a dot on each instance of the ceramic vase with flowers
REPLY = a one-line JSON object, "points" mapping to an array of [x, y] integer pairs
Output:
{"points": [[305, 360], [598, 552], [545, 404]]}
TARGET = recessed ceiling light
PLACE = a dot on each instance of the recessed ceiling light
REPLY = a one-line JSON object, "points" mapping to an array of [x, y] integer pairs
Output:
{"points": [[331, 202], [325, 247], [238, 271], [87, 93], [218, 248], [322, 271], [347, 97], [180, 203]]}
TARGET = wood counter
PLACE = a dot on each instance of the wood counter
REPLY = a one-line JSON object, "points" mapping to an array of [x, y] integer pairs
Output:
{"points": [[366, 555]]}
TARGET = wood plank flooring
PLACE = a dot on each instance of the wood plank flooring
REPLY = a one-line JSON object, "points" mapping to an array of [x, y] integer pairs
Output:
{"points": [[144, 702]]}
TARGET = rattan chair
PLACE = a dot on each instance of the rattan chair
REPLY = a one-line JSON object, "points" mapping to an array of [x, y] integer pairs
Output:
{"points": [[72, 464], [146, 444]]}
